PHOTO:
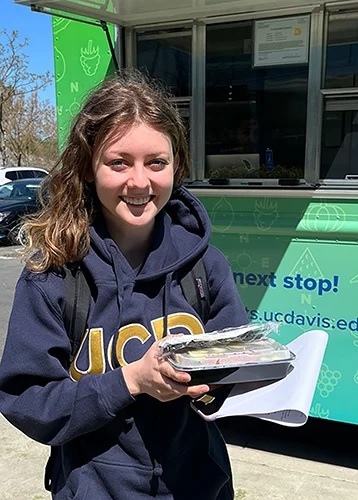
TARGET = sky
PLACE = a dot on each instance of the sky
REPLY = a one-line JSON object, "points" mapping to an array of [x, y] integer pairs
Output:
{"points": [[37, 28]]}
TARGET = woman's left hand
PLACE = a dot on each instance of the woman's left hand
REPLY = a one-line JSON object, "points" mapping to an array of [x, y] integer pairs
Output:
{"points": [[154, 376]]}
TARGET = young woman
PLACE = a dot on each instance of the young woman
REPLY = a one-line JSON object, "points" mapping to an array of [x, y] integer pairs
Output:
{"points": [[119, 419]]}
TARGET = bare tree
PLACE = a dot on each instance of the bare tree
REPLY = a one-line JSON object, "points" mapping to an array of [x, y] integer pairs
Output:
{"points": [[15, 78], [31, 135]]}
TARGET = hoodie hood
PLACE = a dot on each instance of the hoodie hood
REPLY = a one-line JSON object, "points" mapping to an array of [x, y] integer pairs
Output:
{"points": [[181, 234]]}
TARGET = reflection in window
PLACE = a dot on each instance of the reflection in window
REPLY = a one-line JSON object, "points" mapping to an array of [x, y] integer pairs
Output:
{"points": [[339, 153], [339, 156], [166, 55], [255, 117], [342, 52]]}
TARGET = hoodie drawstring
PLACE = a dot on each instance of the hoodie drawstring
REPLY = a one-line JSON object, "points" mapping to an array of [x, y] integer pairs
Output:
{"points": [[117, 272], [168, 280]]}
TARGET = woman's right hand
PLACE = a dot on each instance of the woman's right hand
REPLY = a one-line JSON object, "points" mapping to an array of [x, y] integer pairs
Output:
{"points": [[156, 377]]}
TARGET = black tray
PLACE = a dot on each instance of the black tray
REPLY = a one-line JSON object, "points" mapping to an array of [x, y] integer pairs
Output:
{"points": [[235, 375]]}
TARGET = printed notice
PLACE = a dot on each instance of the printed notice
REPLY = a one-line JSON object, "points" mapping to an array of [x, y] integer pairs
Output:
{"points": [[281, 41]]}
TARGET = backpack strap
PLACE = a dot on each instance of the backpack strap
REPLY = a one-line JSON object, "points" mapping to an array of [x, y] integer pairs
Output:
{"points": [[77, 302], [195, 289]]}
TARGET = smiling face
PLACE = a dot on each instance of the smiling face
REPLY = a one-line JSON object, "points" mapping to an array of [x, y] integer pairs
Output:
{"points": [[133, 175]]}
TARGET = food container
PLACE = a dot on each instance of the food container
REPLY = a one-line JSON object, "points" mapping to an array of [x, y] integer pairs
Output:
{"points": [[229, 356]]}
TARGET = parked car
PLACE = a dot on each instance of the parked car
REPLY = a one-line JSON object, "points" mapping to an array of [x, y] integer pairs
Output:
{"points": [[17, 198], [13, 173]]}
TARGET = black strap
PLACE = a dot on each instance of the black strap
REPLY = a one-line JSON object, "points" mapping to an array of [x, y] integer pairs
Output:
{"points": [[48, 472], [194, 286], [77, 302]]}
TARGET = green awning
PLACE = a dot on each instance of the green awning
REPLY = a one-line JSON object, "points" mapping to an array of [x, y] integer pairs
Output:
{"points": [[104, 10], [135, 12]]}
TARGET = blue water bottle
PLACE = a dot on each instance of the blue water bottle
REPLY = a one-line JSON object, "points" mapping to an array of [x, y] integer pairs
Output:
{"points": [[269, 160]]}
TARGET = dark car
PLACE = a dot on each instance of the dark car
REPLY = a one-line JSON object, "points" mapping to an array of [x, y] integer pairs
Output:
{"points": [[17, 198]]}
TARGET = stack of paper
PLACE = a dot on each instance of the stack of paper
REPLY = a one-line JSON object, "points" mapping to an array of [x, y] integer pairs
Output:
{"points": [[286, 401]]}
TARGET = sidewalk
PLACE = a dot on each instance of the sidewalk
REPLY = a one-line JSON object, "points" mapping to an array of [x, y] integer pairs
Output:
{"points": [[258, 474], [22, 463]]}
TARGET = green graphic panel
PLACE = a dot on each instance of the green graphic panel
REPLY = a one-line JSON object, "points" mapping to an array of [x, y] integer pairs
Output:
{"points": [[82, 61], [296, 261]]}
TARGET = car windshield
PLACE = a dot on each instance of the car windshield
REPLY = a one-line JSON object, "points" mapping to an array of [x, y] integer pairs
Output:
{"points": [[13, 190]]}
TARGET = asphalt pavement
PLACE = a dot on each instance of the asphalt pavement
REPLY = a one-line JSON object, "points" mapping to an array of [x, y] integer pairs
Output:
{"points": [[318, 461]]}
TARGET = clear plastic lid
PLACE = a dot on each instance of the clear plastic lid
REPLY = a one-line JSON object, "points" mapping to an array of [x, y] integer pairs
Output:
{"points": [[235, 354], [231, 347]]}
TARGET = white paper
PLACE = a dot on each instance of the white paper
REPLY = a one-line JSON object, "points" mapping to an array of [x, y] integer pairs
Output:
{"points": [[287, 401]]}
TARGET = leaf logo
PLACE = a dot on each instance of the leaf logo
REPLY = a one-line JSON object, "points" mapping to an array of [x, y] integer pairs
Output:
{"points": [[222, 215]]}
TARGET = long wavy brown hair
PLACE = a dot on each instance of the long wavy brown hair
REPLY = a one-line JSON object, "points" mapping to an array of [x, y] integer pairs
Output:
{"points": [[59, 233]]}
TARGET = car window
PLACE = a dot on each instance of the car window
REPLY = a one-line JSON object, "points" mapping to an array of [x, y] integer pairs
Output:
{"points": [[25, 191], [5, 191], [11, 175], [25, 174], [31, 174], [32, 190]]}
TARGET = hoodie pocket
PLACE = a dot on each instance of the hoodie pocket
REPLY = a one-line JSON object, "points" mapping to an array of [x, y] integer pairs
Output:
{"points": [[104, 481]]}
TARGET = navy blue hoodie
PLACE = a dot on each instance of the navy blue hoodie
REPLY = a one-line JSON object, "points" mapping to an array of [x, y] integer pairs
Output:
{"points": [[108, 445]]}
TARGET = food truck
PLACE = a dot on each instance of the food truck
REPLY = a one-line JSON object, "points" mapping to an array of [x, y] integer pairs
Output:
{"points": [[269, 93]]}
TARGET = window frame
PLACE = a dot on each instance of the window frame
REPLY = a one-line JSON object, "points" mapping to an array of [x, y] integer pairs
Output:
{"points": [[335, 96], [316, 94], [314, 99]]}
